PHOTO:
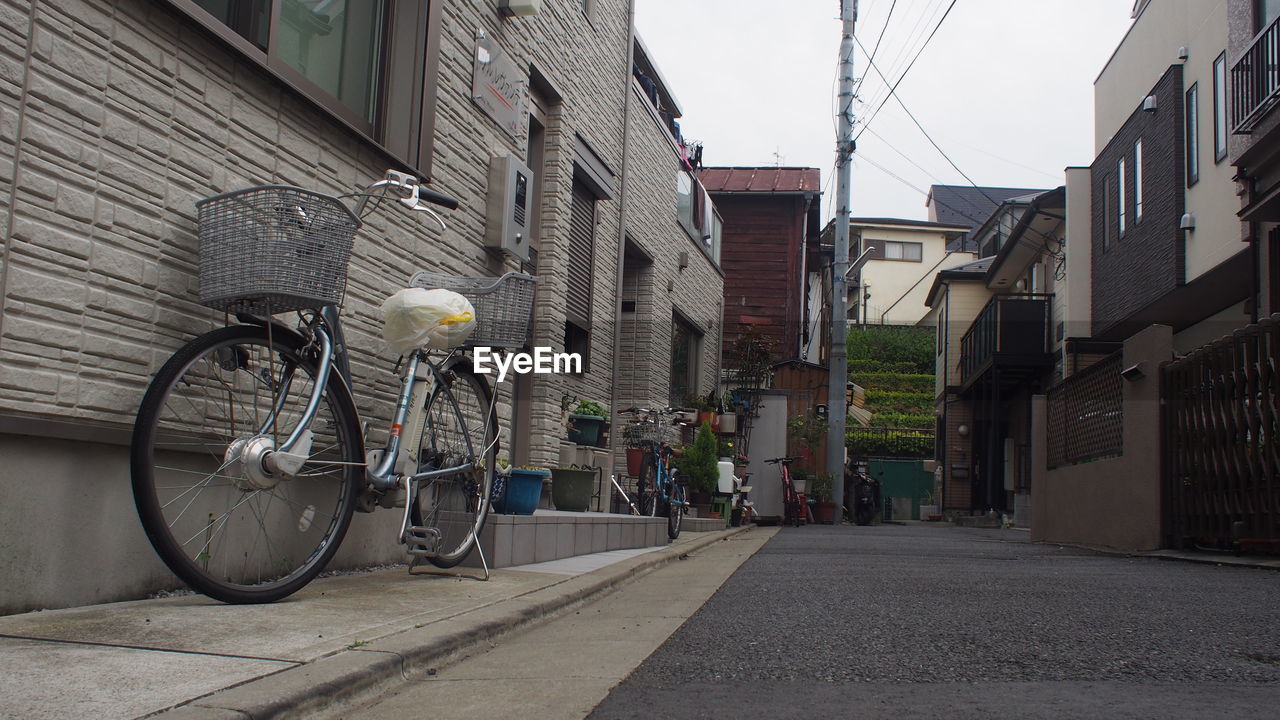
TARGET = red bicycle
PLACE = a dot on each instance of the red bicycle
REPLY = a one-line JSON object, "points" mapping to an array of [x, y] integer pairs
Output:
{"points": [[790, 498]]}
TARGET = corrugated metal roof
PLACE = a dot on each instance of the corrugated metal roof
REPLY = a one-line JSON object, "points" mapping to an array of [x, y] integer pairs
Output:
{"points": [[761, 179]]}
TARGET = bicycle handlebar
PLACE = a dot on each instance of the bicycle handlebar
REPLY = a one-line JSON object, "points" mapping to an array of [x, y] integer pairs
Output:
{"points": [[783, 460]]}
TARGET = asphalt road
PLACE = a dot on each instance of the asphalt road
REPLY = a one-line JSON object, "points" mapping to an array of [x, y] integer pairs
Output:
{"points": [[935, 621]]}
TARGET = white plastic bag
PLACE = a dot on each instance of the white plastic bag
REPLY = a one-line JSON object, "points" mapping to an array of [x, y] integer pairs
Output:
{"points": [[416, 317]]}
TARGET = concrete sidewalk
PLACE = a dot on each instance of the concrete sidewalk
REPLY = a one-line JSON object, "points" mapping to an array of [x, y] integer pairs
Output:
{"points": [[191, 657]]}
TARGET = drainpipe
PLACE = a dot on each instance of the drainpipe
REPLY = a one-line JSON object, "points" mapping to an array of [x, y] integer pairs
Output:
{"points": [[615, 393]]}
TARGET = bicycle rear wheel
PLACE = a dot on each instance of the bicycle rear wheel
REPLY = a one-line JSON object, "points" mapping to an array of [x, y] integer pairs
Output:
{"points": [[675, 510], [461, 427], [224, 524]]}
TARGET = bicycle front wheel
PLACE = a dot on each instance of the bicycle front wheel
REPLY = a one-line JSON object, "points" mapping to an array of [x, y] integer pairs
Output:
{"points": [[461, 428], [675, 510], [647, 487], [220, 520]]}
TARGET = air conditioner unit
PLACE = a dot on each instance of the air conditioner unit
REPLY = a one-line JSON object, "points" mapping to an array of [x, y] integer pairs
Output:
{"points": [[522, 8]]}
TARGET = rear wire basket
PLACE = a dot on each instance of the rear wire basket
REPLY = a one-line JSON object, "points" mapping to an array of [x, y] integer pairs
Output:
{"points": [[503, 305], [273, 249]]}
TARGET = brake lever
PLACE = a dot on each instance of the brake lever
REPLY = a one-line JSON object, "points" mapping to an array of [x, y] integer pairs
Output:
{"points": [[419, 206]]}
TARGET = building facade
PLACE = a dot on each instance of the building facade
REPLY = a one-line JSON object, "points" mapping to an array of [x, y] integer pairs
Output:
{"points": [[117, 115]]}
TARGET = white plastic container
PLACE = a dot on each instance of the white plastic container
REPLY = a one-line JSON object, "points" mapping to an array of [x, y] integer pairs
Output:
{"points": [[725, 484]]}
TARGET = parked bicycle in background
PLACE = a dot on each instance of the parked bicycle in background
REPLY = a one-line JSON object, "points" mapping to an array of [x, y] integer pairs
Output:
{"points": [[659, 488], [248, 456], [790, 498]]}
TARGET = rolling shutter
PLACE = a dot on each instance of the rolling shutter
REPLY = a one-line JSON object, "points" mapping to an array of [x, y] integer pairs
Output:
{"points": [[582, 223]]}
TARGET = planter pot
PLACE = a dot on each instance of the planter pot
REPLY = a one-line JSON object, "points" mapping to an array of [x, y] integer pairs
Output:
{"points": [[706, 416], [728, 424], [635, 458], [571, 488], [520, 495], [824, 512], [585, 429]]}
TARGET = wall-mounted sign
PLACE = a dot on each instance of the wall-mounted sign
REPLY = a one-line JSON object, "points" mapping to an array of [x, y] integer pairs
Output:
{"points": [[498, 86]]}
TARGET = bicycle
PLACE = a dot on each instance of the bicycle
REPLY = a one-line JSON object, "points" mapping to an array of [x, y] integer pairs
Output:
{"points": [[658, 487], [248, 454], [790, 498]]}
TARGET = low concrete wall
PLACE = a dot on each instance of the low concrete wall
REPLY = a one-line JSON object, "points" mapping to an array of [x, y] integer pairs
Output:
{"points": [[1112, 503], [71, 535]]}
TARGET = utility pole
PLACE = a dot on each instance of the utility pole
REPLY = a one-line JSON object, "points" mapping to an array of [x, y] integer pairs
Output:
{"points": [[837, 398]]}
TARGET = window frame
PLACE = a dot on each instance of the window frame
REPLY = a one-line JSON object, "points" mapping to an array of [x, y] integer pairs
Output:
{"points": [[1221, 136], [1121, 200], [410, 53], [902, 245], [1191, 128], [1137, 181], [694, 353]]}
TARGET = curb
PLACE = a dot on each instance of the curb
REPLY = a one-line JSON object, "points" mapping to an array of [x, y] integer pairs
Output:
{"points": [[351, 673]]}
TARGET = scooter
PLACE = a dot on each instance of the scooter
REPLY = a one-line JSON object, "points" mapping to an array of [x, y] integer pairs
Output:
{"points": [[865, 499]]}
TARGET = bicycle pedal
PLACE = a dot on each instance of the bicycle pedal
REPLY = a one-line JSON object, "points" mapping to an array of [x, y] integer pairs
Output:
{"points": [[422, 541]]}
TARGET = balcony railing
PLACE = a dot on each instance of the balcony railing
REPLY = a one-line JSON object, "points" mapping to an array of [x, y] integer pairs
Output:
{"points": [[1012, 329], [1255, 80]]}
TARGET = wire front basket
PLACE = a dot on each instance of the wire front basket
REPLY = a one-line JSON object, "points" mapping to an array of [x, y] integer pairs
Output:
{"points": [[503, 305], [273, 249]]}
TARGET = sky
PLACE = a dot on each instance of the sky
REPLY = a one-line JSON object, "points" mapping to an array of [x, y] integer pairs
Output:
{"points": [[1005, 88]]}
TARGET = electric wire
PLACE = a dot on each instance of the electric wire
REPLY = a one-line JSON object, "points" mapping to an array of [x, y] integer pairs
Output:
{"points": [[905, 72]]}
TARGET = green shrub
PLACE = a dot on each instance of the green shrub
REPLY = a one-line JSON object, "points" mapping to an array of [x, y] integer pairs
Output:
{"points": [[902, 382], [698, 464], [923, 421], [877, 366], [877, 442], [899, 401], [894, 344]]}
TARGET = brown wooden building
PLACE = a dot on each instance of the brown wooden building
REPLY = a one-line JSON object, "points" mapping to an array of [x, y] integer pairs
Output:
{"points": [[771, 215]]}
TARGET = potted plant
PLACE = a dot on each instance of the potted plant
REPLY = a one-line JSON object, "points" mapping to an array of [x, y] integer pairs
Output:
{"points": [[572, 488], [698, 464], [929, 506], [703, 410], [586, 423], [807, 431], [820, 486], [523, 488]]}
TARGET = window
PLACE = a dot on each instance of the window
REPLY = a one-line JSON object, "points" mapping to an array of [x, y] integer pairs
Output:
{"points": [[1220, 108], [1106, 213], [582, 224], [1137, 182], [684, 360], [363, 61], [1120, 204], [909, 251], [1192, 123]]}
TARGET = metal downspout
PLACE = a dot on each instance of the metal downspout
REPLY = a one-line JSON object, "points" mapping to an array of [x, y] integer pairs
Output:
{"points": [[615, 392]]}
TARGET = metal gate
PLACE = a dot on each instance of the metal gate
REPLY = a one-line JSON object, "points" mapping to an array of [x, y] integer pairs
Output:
{"points": [[1221, 444]]}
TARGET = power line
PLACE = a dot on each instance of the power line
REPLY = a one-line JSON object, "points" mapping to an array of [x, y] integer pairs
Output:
{"points": [[871, 58], [905, 72]]}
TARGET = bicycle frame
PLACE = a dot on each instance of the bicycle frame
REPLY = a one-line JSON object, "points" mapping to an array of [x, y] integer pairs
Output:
{"points": [[409, 414]]}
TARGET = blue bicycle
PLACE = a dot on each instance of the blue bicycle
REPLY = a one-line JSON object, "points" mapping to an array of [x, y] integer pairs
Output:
{"points": [[659, 488]]}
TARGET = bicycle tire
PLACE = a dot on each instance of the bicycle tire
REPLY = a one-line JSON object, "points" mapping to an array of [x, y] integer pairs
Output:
{"points": [[225, 527], [675, 510], [459, 428], [647, 487]]}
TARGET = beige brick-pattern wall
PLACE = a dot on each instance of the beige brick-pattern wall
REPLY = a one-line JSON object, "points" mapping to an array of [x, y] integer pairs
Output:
{"points": [[117, 115]]}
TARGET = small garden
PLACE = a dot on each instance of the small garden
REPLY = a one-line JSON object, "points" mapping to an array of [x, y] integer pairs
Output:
{"points": [[894, 366]]}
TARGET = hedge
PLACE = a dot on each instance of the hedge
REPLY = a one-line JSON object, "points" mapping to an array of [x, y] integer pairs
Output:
{"points": [[900, 382], [924, 421], [888, 442], [898, 401], [878, 366]]}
